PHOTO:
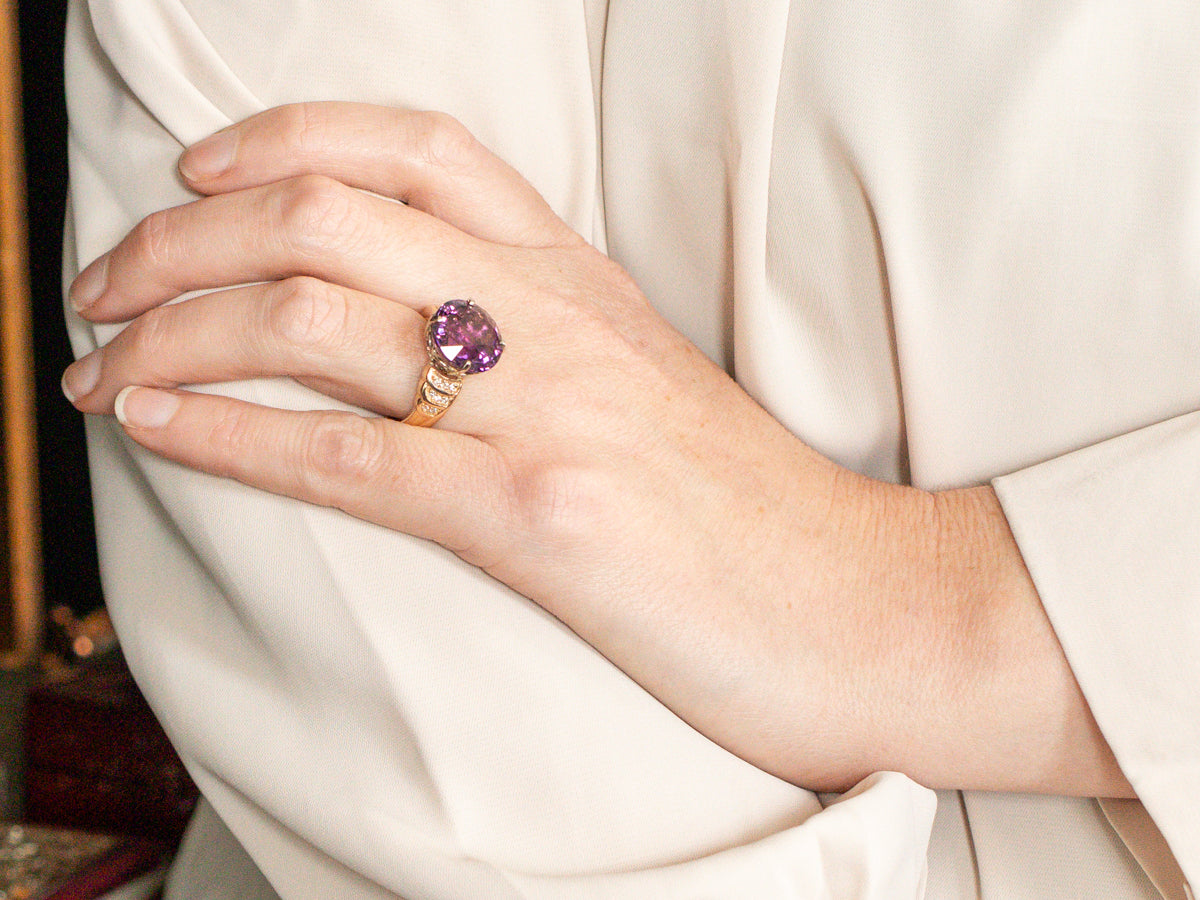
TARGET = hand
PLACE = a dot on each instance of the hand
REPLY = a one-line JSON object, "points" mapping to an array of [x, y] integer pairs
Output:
{"points": [[817, 623]]}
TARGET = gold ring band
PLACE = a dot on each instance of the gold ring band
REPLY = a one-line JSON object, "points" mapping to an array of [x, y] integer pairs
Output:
{"points": [[435, 392]]}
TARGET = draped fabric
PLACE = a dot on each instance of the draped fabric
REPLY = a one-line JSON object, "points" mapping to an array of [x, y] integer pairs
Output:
{"points": [[941, 242]]}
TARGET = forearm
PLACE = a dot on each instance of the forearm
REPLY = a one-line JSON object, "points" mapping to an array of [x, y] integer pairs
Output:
{"points": [[876, 627], [820, 624], [959, 679], [1021, 722]]}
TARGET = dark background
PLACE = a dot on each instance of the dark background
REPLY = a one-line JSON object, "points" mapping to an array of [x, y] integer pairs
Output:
{"points": [[68, 545]]}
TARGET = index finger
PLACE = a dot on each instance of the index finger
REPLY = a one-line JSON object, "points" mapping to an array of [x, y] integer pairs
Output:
{"points": [[427, 159]]}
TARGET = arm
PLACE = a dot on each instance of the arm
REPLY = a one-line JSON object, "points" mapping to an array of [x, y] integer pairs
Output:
{"points": [[817, 623], [371, 716], [1102, 528]]}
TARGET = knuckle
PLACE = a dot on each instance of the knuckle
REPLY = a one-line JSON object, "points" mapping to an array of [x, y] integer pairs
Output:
{"points": [[343, 449], [443, 141], [306, 312], [302, 126], [149, 333], [229, 438], [318, 214], [559, 504], [148, 348], [152, 240]]}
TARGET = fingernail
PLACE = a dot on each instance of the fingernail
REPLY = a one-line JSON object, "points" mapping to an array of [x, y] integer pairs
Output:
{"points": [[81, 376], [210, 157], [90, 284], [140, 407]]}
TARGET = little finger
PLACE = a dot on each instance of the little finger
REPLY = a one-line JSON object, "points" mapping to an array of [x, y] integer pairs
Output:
{"points": [[438, 485]]}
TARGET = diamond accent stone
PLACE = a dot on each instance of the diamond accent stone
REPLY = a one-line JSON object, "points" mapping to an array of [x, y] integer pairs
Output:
{"points": [[464, 337], [429, 395], [442, 383], [429, 409]]}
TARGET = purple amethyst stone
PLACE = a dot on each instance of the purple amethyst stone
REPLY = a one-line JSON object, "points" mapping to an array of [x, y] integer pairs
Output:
{"points": [[464, 338]]}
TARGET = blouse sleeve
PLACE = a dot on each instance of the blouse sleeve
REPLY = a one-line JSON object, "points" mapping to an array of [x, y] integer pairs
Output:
{"points": [[368, 715], [1111, 536]]}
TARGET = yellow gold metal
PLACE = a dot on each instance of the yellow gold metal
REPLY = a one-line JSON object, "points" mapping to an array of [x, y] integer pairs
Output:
{"points": [[435, 392]]}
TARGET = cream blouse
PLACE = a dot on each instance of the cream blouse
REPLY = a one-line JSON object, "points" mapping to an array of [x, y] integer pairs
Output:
{"points": [[942, 242]]}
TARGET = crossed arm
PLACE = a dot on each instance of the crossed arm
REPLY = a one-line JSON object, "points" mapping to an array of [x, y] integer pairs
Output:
{"points": [[820, 624]]}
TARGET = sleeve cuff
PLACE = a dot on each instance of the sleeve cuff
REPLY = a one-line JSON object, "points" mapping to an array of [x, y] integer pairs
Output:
{"points": [[1111, 536]]}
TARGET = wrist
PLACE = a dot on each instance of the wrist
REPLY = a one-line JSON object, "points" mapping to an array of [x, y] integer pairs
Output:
{"points": [[946, 664], [1017, 718]]}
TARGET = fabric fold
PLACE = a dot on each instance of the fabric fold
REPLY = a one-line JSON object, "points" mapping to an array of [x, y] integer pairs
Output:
{"points": [[1090, 526], [375, 717]]}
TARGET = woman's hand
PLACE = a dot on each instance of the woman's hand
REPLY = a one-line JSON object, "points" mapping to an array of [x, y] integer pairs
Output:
{"points": [[817, 623]]}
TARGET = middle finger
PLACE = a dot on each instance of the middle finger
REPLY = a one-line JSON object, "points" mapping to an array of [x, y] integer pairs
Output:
{"points": [[310, 225]]}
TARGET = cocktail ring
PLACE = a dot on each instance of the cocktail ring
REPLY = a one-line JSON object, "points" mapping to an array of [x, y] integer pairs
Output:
{"points": [[461, 339]]}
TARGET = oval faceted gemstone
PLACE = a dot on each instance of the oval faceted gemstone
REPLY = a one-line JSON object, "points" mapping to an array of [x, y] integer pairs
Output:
{"points": [[465, 337]]}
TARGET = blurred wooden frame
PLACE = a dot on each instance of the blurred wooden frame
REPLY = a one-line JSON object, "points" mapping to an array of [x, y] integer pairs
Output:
{"points": [[20, 556]]}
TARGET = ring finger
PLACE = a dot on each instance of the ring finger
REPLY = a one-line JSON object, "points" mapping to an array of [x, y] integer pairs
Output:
{"points": [[354, 346]]}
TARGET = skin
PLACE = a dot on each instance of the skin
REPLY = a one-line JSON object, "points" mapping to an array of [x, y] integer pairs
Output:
{"points": [[818, 623]]}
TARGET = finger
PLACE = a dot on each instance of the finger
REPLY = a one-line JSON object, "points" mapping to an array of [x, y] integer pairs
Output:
{"points": [[427, 159], [353, 346], [438, 485], [311, 225]]}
